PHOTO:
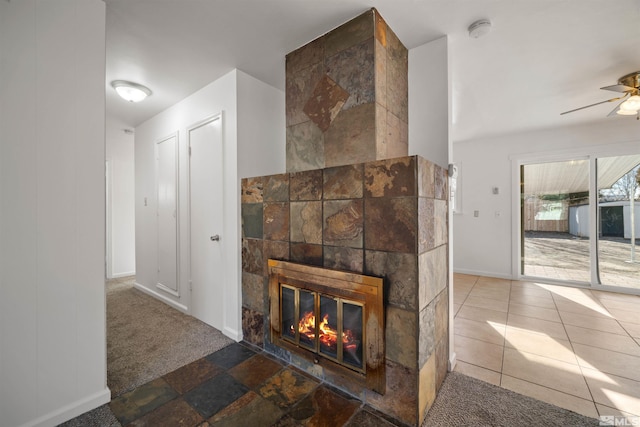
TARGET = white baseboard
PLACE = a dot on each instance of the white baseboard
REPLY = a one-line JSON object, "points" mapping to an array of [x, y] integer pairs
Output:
{"points": [[72, 410], [232, 333], [452, 361], [180, 307], [119, 275], [483, 273]]}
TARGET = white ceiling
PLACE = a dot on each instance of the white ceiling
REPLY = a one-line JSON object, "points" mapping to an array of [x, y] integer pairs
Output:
{"points": [[542, 57]]}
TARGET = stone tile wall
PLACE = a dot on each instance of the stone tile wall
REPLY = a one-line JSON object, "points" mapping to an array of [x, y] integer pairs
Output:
{"points": [[347, 97], [386, 218]]}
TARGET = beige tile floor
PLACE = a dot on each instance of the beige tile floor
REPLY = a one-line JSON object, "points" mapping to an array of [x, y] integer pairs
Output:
{"points": [[575, 348]]}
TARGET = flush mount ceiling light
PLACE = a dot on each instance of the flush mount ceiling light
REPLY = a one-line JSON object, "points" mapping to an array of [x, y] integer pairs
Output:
{"points": [[479, 28], [129, 91]]}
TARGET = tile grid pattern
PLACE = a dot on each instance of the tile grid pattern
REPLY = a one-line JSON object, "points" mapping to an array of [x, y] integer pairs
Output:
{"points": [[575, 348], [347, 97], [386, 218], [239, 385]]}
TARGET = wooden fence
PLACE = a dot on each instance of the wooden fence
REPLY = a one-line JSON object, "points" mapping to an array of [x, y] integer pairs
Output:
{"points": [[551, 216]]}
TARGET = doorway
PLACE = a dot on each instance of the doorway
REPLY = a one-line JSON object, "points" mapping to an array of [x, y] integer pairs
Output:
{"points": [[578, 221], [167, 214], [108, 259], [206, 220], [555, 239], [619, 221]]}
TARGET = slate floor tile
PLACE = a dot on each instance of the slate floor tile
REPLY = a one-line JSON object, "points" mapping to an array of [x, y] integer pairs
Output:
{"points": [[175, 413], [230, 356], [191, 375], [324, 407], [288, 421], [142, 400], [215, 394], [287, 388], [250, 410], [256, 370], [367, 419]]}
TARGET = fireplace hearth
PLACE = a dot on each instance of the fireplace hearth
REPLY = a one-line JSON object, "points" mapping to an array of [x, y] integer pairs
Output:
{"points": [[333, 318]]}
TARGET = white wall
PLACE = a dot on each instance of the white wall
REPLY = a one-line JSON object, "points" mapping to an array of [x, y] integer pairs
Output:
{"points": [[261, 128], [52, 296], [261, 152], [626, 214], [121, 217], [579, 219], [253, 141], [484, 244], [430, 127], [429, 101]]}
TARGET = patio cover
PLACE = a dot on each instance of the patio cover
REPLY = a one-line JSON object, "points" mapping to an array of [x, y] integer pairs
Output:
{"points": [[573, 176]]}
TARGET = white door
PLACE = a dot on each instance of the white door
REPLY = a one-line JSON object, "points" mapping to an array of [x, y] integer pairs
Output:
{"points": [[167, 191], [205, 169], [108, 258]]}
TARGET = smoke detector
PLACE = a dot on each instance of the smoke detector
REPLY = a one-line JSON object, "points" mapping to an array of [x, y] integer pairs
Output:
{"points": [[479, 28]]}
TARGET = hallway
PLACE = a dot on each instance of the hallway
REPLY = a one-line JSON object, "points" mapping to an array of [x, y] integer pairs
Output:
{"points": [[575, 348]]}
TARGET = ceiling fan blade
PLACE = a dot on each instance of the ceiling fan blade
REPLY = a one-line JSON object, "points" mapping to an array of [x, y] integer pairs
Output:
{"points": [[614, 111], [597, 103], [618, 88]]}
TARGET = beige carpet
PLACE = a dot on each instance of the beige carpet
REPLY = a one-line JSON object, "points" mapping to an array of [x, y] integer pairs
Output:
{"points": [[466, 401], [147, 338]]}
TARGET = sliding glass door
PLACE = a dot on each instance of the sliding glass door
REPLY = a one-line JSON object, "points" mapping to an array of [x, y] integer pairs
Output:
{"points": [[619, 221], [555, 220], [565, 238]]}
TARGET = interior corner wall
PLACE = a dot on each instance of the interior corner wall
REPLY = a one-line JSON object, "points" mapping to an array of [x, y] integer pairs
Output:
{"points": [[261, 151], [119, 152], [430, 129], [251, 141], [429, 101], [484, 244], [262, 128], [52, 295]]}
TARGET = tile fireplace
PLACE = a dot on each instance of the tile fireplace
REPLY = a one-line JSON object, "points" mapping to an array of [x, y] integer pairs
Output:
{"points": [[399, 234], [352, 202]]}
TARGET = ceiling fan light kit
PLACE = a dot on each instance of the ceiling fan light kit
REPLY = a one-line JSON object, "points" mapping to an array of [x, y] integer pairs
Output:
{"points": [[629, 107], [629, 85], [129, 91]]}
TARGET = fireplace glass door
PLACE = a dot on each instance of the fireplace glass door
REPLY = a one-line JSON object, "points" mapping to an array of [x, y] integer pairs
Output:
{"points": [[288, 315], [326, 325], [306, 319], [352, 334]]}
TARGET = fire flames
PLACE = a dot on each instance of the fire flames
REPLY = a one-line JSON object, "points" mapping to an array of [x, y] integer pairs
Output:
{"points": [[327, 336]]}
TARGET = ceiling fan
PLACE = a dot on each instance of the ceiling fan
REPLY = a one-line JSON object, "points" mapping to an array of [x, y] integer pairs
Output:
{"points": [[629, 85]]}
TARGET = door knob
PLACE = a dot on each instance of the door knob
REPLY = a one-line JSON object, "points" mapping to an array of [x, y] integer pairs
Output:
{"points": [[215, 238]]}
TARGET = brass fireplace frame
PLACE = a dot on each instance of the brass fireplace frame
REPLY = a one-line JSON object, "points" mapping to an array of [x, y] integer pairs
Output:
{"points": [[340, 328], [351, 287]]}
